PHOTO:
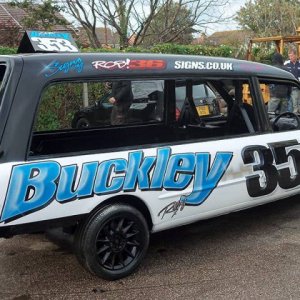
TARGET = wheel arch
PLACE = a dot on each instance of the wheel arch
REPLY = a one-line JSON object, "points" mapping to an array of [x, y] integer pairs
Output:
{"points": [[131, 200]]}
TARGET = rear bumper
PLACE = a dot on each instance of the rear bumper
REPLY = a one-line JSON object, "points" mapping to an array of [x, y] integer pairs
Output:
{"points": [[9, 231]]}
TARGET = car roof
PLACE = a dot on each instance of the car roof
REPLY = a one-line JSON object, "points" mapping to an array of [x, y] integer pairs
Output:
{"points": [[118, 64]]}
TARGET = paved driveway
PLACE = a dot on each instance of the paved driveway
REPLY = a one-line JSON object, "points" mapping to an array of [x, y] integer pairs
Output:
{"points": [[251, 254]]}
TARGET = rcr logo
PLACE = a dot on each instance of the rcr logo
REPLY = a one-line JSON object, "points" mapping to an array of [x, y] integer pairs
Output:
{"points": [[111, 65]]}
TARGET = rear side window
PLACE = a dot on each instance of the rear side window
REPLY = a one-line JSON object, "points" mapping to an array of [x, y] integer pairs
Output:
{"points": [[87, 116], [82, 105], [215, 108]]}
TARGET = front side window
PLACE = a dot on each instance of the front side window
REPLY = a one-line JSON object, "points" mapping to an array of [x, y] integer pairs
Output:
{"points": [[282, 103]]}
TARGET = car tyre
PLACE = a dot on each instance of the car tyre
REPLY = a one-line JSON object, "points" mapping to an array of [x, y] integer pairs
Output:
{"points": [[83, 123], [113, 242]]}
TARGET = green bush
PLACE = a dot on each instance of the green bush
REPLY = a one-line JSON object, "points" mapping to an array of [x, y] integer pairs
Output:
{"points": [[262, 54], [7, 50], [225, 51], [60, 102]]}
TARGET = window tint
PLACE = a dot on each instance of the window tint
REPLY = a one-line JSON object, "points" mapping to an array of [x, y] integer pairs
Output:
{"points": [[282, 103], [76, 117], [200, 91], [87, 116], [218, 108], [99, 104]]}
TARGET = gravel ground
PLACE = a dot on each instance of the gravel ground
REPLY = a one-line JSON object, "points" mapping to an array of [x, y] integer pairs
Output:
{"points": [[253, 254]]}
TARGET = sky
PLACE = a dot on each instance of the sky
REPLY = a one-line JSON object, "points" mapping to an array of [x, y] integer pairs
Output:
{"points": [[230, 10], [232, 7]]}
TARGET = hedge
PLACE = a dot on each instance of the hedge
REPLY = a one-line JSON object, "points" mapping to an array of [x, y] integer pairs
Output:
{"points": [[7, 50], [259, 54], [225, 51]]}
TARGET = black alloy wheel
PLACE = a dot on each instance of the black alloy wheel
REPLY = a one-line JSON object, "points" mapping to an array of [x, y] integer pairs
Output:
{"points": [[114, 241], [118, 243]]}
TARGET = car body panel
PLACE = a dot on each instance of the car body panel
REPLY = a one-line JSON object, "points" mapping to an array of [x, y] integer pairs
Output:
{"points": [[178, 182]]}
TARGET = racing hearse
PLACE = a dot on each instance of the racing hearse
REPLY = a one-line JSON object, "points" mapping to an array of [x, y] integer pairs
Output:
{"points": [[111, 185]]}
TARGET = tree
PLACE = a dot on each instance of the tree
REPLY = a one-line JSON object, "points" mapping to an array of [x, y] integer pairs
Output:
{"points": [[116, 13], [172, 23], [84, 11], [135, 17], [270, 17], [9, 34], [41, 15]]}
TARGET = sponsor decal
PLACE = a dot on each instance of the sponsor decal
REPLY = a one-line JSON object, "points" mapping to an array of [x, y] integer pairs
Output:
{"points": [[201, 65], [52, 41], [35, 185], [277, 164], [129, 64], [63, 67], [54, 45], [50, 35]]}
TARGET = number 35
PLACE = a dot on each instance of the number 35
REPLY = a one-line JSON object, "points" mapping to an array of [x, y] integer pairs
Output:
{"points": [[262, 159]]}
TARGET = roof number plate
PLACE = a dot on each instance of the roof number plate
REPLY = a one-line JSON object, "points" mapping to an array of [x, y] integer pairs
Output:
{"points": [[40, 41]]}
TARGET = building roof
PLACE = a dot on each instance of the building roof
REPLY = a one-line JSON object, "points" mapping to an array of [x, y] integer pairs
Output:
{"points": [[14, 15], [109, 37], [7, 14], [229, 37]]}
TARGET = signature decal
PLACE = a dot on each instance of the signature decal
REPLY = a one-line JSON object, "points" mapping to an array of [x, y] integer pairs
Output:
{"points": [[35, 185], [129, 64], [63, 67], [172, 208]]}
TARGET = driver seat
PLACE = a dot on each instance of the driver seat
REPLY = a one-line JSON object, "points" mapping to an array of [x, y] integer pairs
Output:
{"points": [[241, 119], [188, 114]]}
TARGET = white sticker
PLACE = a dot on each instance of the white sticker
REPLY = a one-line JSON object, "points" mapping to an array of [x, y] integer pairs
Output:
{"points": [[54, 44], [201, 65]]}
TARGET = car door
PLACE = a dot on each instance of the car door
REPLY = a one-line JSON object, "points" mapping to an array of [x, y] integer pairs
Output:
{"points": [[241, 160]]}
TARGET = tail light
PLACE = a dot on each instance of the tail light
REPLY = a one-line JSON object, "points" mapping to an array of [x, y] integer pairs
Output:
{"points": [[177, 113]]}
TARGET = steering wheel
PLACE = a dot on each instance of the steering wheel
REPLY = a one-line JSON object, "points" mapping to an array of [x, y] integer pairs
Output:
{"points": [[287, 114]]}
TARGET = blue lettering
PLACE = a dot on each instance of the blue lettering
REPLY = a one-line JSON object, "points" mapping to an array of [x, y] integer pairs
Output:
{"points": [[102, 184], [54, 35], [31, 187], [139, 171], [66, 187], [160, 168], [87, 179], [180, 171], [65, 67], [206, 179]]}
